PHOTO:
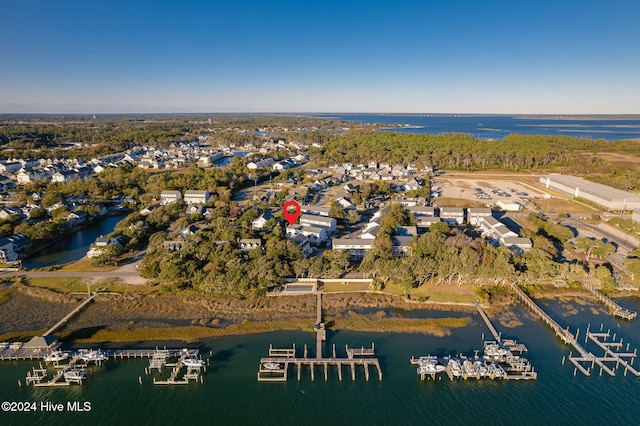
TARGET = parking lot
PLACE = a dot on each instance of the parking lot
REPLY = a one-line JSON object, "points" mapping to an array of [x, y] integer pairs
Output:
{"points": [[487, 190]]}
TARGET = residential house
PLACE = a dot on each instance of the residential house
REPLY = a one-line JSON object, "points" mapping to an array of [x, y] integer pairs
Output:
{"points": [[452, 215], [315, 210], [7, 252], [345, 203], [517, 244], [421, 211], [147, 210], [6, 212], [196, 197], [315, 234], [401, 245], [10, 166], [266, 162], [259, 223], [189, 230], [6, 183], [75, 218], [247, 244], [407, 231], [168, 196], [173, 245], [65, 176], [304, 243], [195, 209], [100, 244], [356, 247], [324, 222], [475, 213], [20, 242], [283, 165]]}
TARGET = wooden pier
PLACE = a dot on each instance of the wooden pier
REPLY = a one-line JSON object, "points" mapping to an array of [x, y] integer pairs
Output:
{"points": [[192, 372], [610, 356], [70, 315], [275, 368], [355, 357], [563, 334], [584, 355], [618, 311], [490, 326], [37, 378], [159, 359]]}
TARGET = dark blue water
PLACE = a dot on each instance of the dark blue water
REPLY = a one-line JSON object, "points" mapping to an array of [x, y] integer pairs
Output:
{"points": [[231, 395], [499, 126], [73, 247], [225, 161]]}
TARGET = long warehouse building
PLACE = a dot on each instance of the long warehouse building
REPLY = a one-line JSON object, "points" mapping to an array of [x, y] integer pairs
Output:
{"points": [[603, 195]]}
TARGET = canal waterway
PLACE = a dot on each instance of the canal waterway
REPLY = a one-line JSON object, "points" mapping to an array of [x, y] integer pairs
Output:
{"points": [[231, 394], [73, 247]]}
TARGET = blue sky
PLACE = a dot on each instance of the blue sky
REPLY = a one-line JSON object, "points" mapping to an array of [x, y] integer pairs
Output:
{"points": [[567, 56]]}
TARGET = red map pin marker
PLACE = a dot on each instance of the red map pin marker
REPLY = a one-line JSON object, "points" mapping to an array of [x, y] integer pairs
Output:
{"points": [[291, 211]]}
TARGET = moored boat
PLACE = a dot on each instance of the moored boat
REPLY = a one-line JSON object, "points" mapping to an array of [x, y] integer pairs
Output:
{"points": [[91, 355], [193, 362], [454, 367], [271, 366], [75, 375], [56, 356]]}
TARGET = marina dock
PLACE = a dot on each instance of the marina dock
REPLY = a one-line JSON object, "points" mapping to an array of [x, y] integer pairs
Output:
{"points": [[499, 360], [584, 355], [275, 368], [73, 369]]}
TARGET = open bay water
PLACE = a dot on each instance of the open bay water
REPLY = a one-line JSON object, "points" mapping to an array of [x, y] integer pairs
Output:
{"points": [[499, 126], [231, 394]]}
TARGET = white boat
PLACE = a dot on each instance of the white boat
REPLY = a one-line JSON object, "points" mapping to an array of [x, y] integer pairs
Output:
{"points": [[14, 346], [481, 368], [496, 371], [429, 365], [469, 368], [454, 367], [193, 362], [91, 355], [75, 375], [495, 352], [3, 346], [56, 356], [271, 366]]}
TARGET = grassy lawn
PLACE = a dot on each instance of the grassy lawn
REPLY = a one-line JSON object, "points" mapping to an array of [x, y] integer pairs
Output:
{"points": [[337, 287], [457, 202], [445, 293], [561, 205], [84, 265], [75, 284]]}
